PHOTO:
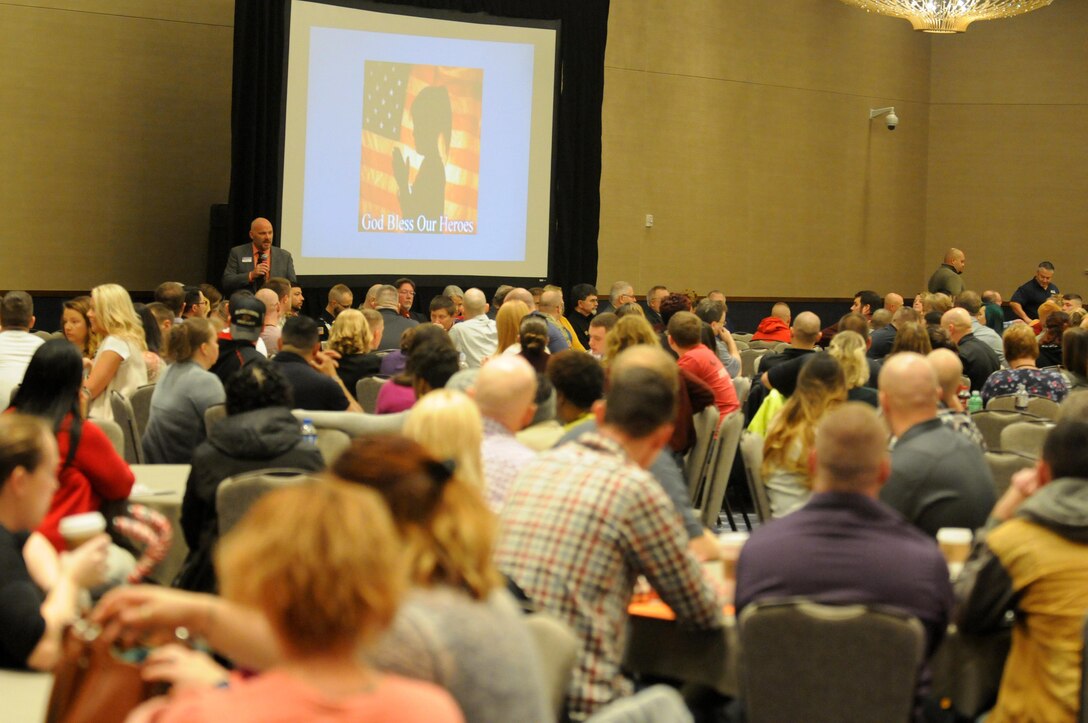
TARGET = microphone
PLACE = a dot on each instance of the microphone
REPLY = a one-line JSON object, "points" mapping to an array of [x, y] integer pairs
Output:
{"points": [[263, 258]]}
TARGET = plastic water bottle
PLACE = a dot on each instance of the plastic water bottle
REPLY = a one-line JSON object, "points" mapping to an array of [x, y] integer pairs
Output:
{"points": [[974, 404], [1021, 397], [309, 432]]}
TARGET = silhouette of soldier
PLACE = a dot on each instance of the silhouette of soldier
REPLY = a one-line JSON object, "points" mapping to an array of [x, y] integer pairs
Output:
{"points": [[432, 125]]}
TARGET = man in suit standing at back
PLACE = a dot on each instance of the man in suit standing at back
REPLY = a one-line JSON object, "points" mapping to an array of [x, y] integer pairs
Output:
{"points": [[250, 265]]}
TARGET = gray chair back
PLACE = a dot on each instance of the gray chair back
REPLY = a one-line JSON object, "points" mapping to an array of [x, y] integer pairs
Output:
{"points": [[1003, 465], [1039, 406], [706, 425], [237, 494], [366, 392], [801, 661], [749, 361], [742, 336], [113, 433], [557, 648], [991, 422], [751, 451], [742, 385], [212, 415], [741, 344], [721, 464], [141, 407], [762, 344], [331, 443], [125, 418], [656, 704], [1025, 438]]}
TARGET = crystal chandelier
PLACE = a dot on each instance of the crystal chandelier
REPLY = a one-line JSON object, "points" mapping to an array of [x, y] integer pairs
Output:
{"points": [[948, 16]]}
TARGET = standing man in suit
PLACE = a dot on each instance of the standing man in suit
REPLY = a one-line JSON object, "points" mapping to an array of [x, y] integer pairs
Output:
{"points": [[250, 265]]}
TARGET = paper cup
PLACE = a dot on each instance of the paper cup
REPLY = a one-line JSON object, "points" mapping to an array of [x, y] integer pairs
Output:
{"points": [[78, 529], [955, 543], [730, 544]]}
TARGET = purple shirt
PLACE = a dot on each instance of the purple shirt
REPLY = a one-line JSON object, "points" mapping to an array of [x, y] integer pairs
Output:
{"points": [[843, 548]]}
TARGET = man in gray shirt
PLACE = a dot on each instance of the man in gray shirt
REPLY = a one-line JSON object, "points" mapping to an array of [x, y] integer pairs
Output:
{"points": [[938, 479]]}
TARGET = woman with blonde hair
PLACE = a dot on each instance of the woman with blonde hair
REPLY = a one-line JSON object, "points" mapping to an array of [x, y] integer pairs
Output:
{"points": [[458, 627], [449, 426], [631, 330], [508, 323], [350, 338], [76, 324], [821, 386], [175, 425], [311, 576], [119, 363], [848, 349]]}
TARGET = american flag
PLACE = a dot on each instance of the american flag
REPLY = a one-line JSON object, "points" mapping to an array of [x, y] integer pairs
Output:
{"points": [[388, 93]]}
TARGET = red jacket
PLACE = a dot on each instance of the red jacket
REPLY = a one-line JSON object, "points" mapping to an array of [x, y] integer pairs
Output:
{"points": [[772, 329], [96, 473]]}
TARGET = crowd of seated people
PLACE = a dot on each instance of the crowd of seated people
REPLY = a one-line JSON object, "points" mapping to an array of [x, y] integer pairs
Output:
{"points": [[541, 453]]}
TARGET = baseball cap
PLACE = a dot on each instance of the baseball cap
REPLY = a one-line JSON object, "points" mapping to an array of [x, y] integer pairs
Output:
{"points": [[246, 317]]}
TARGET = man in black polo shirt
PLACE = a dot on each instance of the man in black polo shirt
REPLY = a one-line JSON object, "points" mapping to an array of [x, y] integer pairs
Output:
{"points": [[310, 371], [979, 360], [1025, 301], [584, 300]]}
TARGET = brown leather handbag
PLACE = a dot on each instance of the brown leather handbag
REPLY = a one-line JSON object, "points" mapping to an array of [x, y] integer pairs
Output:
{"points": [[94, 683]]}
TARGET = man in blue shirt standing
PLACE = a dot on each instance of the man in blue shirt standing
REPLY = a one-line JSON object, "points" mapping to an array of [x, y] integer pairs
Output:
{"points": [[1025, 301]]}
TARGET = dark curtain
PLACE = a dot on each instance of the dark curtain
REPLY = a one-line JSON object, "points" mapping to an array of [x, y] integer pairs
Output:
{"points": [[256, 120]]}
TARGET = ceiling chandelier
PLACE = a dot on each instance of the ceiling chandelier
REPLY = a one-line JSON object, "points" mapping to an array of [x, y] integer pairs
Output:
{"points": [[948, 16]]}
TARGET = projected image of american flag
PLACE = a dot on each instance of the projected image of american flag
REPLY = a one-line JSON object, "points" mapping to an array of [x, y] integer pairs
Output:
{"points": [[420, 165]]}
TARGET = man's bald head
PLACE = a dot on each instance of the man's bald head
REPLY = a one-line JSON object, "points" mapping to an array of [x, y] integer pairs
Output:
{"points": [[850, 453], [946, 363], [908, 390], [260, 233], [956, 259], [521, 294], [806, 329], [641, 397], [271, 304], [957, 322], [550, 302], [475, 303], [781, 310], [893, 302], [505, 389], [644, 356]]}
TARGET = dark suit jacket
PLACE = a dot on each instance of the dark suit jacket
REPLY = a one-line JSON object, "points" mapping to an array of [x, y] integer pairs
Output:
{"points": [[241, 262], [395, 324]]}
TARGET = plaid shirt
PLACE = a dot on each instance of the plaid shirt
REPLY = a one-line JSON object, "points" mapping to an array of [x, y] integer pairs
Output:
{"points": [[581, 522], [503, 457]]}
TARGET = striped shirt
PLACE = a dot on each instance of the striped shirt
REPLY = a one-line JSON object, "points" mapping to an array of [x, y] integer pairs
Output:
{"points": [[580, 523]]}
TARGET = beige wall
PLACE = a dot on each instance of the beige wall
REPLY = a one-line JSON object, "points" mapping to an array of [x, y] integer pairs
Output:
{"points": [[1008, 154], [743, 128], [116, 139]]}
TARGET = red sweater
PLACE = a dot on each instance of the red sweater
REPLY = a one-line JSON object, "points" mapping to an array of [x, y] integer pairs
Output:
{"points": [[772, 329], [97, 473]]}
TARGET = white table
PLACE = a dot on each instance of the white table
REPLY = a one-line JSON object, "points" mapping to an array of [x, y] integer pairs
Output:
{"points": [[24, 696], [162, 488]]}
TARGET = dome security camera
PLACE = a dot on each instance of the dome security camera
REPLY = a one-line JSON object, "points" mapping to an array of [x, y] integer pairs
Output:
{"points": [[892, 119]]}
